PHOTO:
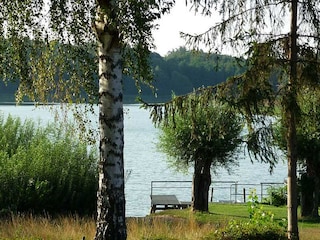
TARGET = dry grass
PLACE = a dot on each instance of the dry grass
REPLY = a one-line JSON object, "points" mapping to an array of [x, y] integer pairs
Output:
{"points": [[167, 227], [60, 228], [309, 233], [74, 227]]}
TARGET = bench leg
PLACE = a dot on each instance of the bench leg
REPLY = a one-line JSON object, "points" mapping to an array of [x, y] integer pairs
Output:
{"points": [[153, 209]]}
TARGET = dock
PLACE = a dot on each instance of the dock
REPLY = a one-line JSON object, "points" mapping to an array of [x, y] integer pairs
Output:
{"points": [[163, 202], [170, 195], [176, 194]]}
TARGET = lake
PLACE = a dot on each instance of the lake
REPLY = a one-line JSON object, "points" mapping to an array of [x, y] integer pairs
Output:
{"points": [[145, 163]]}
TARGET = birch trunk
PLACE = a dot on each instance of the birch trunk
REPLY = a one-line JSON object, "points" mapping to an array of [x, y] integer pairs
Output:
{"points": [[110, 197]]}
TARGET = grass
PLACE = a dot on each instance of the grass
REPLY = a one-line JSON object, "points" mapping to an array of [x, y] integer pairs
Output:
{"points": [[224, 212], [29, 227], [166, 225]]}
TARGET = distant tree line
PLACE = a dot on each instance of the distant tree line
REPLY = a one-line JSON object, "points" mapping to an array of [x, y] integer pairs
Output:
{"points": [[179, 72]]}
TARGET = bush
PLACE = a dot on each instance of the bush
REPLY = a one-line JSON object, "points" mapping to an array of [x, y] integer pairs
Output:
{"points": [[277, 196], [260, 226], [45, 169], [237, 230]]}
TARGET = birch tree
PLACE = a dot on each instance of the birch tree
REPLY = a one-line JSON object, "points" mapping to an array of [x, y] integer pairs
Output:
{"points": [[276, 39], [49, 47]]}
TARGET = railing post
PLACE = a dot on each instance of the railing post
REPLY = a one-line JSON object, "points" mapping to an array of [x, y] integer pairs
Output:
{"points": [[236, 192], [151, 187], [244, 195], [211, 199]]}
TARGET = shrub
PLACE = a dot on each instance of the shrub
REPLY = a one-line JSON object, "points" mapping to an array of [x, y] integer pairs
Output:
{"points": [[261, 225], [277, 196], [237, 230], [45, 169]]}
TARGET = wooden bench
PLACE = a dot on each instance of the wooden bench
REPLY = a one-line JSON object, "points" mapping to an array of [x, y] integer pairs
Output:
{"points": [[163, 202]]}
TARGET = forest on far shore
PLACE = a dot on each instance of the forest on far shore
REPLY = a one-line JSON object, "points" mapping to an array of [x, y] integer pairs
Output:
{"points": [[179, 72]]}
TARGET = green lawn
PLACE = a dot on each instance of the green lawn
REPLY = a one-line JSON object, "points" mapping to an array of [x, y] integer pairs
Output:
{"points": [[221, 213]]}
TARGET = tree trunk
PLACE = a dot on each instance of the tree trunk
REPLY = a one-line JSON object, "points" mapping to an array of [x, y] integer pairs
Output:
{"points": [[310, 188], [315, 209], [110, 197], [307, 188], [200, 186], [290, 110]]}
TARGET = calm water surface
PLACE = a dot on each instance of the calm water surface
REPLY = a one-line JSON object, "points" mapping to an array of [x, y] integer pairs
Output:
{"points": [[145, 163]]}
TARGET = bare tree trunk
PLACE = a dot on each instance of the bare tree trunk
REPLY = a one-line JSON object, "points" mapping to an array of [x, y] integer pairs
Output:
{"points": [[306, 198], [110, 197], [315, 209], [290, 111], [200, 186], [310, 188]]}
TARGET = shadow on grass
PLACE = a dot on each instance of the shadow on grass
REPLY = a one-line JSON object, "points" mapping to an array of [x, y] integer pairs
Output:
{"points": [[224, 215], [311, 220]]}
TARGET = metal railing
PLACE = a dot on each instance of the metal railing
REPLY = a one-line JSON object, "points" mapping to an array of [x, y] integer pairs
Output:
{"points": [[244, 190], [156, 185], [220, 191]]}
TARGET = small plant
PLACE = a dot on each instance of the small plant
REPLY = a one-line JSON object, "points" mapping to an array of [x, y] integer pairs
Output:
{"points": [[256, 212], [261, 225]]}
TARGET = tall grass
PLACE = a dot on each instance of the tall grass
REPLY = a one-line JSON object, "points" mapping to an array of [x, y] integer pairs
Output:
{"points": [[167, 228], [29, 227], [177, 225], [74, 227], [45, 168]]}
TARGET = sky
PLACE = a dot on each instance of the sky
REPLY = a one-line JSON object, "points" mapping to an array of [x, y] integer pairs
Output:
{"points": [[180, 19]]}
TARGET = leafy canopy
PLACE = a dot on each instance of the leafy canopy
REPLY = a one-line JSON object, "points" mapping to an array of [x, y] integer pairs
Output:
{"points": [[211, 134], [48, 46]]}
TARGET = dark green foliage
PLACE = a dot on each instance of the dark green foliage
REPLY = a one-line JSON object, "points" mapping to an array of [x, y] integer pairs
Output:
{"points": [[277, 196], [206, 137], [211, 134], [248, 231], [308, 147], [181, 71], [45, 169]]}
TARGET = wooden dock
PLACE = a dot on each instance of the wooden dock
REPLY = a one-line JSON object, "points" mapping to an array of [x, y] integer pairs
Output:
{"points": [[164, 194], [163, 202]]}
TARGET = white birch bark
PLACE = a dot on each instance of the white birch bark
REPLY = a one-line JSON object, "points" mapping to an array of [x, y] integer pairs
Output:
{"points": [[110, 197]]}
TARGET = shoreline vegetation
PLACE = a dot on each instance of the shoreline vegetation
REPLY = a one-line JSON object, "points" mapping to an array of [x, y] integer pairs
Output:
{"points": [[168, 224]]}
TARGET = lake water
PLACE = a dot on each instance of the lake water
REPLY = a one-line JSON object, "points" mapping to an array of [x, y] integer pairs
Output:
{"points": [[145, 163]]}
